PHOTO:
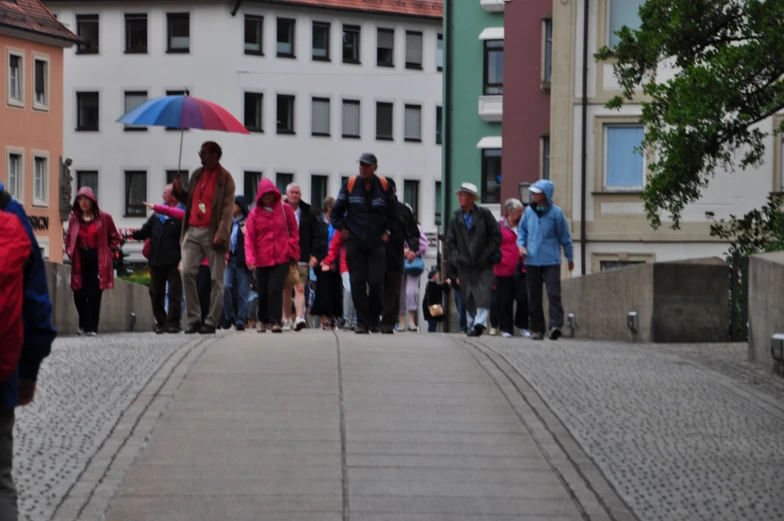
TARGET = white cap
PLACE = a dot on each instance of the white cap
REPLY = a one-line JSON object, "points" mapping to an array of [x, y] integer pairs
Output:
{"points": [[535, 190]]}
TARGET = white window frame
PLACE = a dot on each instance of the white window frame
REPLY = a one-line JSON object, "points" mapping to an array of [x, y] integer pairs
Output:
{"points": [[20, 185], [22, 62], [40, 154], [47, 83], [606, 125]]}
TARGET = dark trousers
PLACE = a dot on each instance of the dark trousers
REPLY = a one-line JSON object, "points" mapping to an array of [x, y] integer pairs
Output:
{"points": [[204, 287], [550, 276], [509, 290], [366, 271], [328, 300], [432, 326], [159, 276], [461, 311], [88, 298], [269, 282], [391, 299], [8, 496]]}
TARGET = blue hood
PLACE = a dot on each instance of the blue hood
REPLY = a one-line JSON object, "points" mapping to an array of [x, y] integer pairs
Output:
{"points": [[547, 187]]}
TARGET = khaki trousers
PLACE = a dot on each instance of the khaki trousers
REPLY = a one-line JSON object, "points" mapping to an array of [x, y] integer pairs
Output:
{"points": [[197, 244]]}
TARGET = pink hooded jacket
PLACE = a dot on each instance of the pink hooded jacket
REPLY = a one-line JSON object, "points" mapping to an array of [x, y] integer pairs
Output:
{"points": [[108, 241], [271, 237]]}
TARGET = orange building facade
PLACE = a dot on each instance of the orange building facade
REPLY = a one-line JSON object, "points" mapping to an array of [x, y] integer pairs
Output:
{"points": [[31, 115]]}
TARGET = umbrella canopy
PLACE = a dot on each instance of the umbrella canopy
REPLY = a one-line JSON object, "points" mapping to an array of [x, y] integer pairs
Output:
{"points": [[183, 112]]}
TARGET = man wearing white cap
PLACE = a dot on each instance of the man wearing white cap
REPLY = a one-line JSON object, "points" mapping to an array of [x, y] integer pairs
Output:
{"points": [[474, 245], [541, 234]]}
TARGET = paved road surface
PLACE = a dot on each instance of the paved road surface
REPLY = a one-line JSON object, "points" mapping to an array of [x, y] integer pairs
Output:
{"points": [[399, 428]]}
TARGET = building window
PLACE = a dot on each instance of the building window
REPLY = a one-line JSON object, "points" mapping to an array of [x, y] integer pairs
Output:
{"points": [[87, 111], [171, 175], [15, 179], [15, 79], [321, 41], [411, 196], [413, 50], [251, 186], [494, 67], [254, 35], [438, 202], [440, 53], [135, 193], [343, 180], [136, 33], [41, 80], [546, 157], [624, 163], [285, 114], [385, 49], [179, 32], [87, 178], [286, 38], [283, 180], [132, 100], [384, 127], [318, 190], [87, 29], [413, 123], [320, 115], [253, 104], [40, 180], [623, 13], [548, 51], [351, 44], [350, 118], [491, 175], [617, 265], [439, 119]]}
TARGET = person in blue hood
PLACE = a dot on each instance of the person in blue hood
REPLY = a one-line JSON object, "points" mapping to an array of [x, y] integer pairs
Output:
{"points": [[541, 234]]}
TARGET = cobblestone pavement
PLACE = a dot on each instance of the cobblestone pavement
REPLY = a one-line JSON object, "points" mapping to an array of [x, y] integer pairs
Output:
{"points": [[681, 432], [84, 387]]}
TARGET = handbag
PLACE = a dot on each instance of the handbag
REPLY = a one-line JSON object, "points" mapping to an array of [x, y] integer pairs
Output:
{"points": [[436, 310], [292, 277], [414, 268]]}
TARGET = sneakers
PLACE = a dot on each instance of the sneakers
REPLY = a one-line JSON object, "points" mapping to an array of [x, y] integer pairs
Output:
{"points": [[92, 333], [300, 324], [239, 326], [537, 336], [506, 335], [479, 329], [286, 325], [525, 333], [493, 332], [80, 331], [361, 329], [555, 333], [413, 329]]}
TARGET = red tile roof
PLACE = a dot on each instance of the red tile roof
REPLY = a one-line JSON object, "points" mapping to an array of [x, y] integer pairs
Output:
{"points": [[32, 16], [418, 8]]}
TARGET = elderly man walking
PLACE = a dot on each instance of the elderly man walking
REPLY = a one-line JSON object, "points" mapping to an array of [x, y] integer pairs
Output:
{"points": [[474, 245], [206, 231], [542, 232]]}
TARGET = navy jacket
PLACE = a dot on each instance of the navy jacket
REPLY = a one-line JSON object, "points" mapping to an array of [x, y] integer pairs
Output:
{"points": [[367, 215], [39, 333]]}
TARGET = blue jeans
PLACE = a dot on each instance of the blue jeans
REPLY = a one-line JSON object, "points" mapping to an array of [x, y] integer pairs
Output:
{"points": [[432, 326], [461, 311], [242, 276]]}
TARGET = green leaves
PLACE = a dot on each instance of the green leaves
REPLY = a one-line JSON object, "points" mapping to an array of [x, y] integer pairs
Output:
{"points": [[761, 230], [728, 63]]}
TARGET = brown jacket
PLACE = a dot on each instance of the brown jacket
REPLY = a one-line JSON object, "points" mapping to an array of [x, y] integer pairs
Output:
{"points": [[222, 205]]}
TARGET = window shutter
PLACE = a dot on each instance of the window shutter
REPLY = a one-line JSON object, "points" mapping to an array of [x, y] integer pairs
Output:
{"points": [[351, 119], [386, 39], [413, 48]]}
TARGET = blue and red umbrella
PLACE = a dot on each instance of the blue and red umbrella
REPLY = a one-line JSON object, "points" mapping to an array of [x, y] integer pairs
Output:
{"points": [[183, 112]]}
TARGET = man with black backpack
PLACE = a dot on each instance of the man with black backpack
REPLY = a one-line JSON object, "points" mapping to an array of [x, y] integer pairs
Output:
{"points": [[25, 329], [364, 213]]}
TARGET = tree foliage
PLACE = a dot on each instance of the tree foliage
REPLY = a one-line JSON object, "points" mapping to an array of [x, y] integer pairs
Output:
{"points": [[726, 59], [761, 230]]}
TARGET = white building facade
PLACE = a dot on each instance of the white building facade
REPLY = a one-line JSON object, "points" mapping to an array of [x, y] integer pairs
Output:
{"points": [[315, 86], [617, 232]]}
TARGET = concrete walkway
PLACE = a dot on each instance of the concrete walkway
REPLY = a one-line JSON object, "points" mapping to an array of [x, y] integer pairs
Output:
{"points": [[321, 427]]}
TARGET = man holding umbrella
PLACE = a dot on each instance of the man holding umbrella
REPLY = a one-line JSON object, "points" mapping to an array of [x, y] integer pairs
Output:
{"points": [[206, 231]]}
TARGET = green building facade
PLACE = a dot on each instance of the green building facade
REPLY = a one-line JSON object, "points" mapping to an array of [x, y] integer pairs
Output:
{"points": [[473, 100]]}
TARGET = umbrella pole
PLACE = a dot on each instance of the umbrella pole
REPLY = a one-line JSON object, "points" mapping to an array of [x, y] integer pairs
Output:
{"points": [[179, 162]]}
